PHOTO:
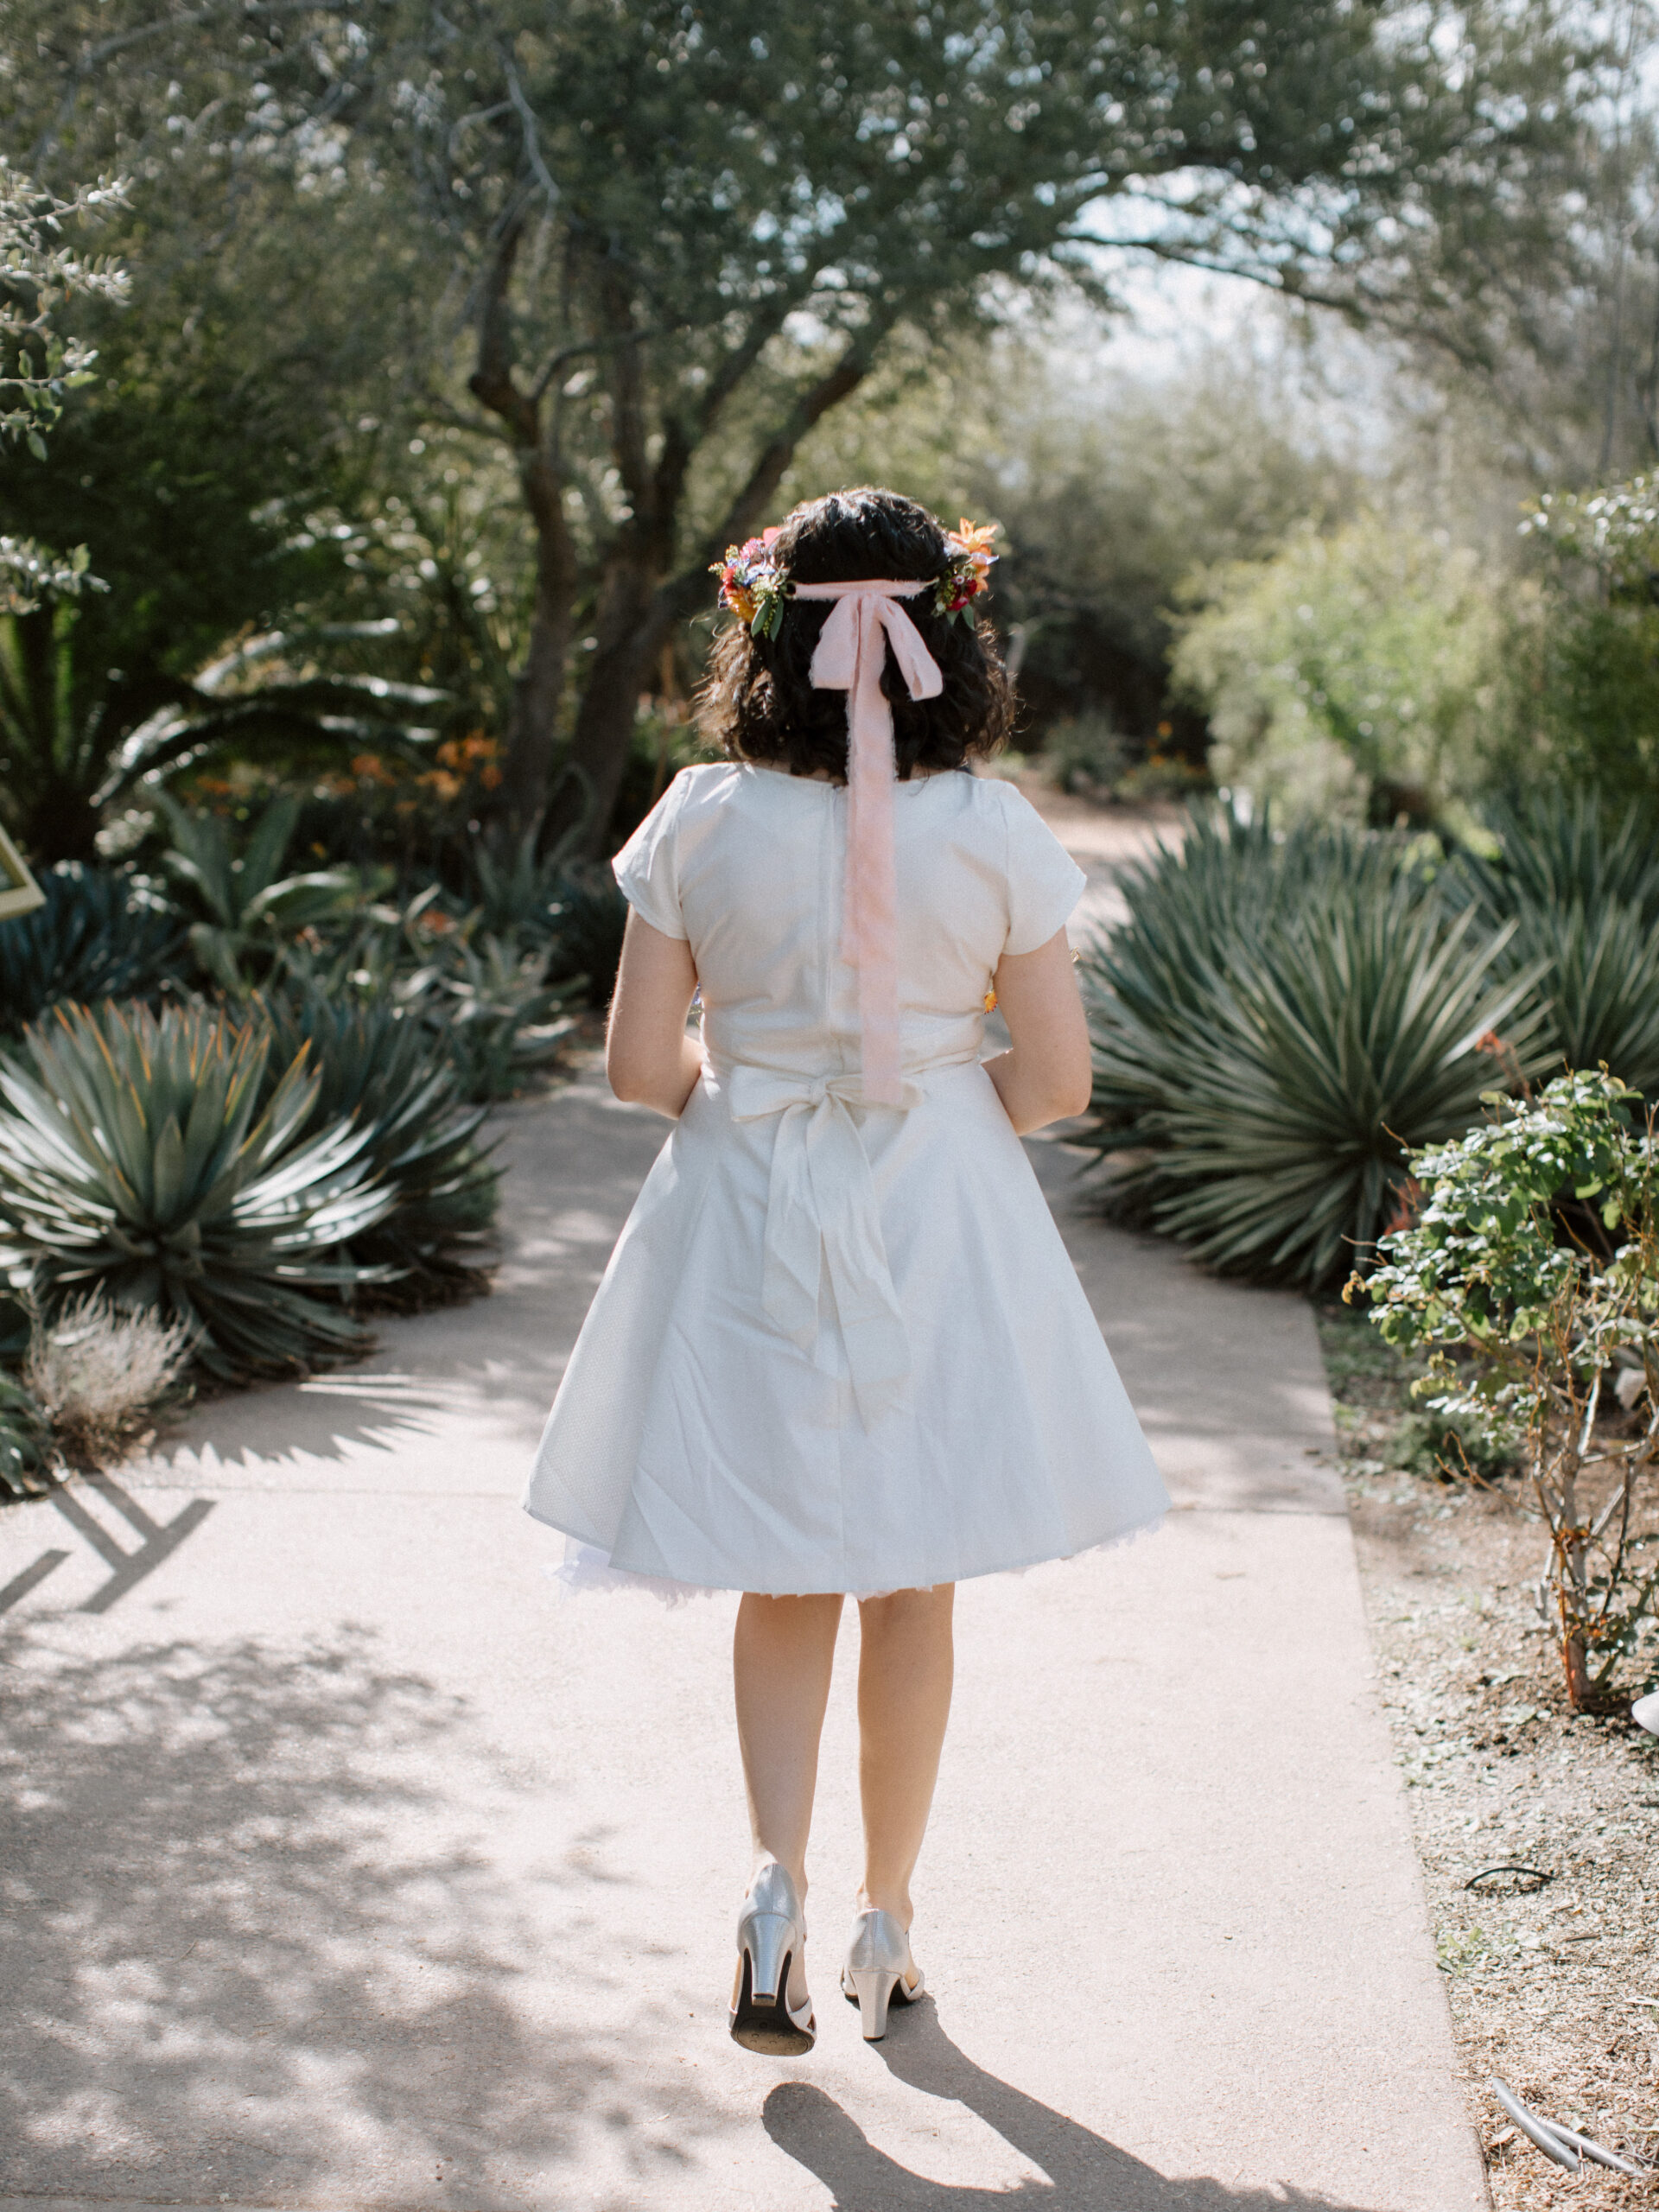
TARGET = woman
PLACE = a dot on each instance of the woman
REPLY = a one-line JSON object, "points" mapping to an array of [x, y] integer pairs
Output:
{"points": [[840, 1348]]}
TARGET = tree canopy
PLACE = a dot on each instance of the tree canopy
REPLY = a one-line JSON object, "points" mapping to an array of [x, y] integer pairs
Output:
{"points": [[650, 248]]}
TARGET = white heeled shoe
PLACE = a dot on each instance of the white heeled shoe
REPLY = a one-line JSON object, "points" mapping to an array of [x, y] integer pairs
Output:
{"points": [[880, 1971], [771, 1937]]}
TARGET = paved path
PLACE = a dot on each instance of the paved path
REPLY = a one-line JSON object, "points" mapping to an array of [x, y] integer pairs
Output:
{"points": [[348, 1864]]}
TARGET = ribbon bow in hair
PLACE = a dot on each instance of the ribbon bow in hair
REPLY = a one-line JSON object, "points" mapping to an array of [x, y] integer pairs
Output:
{"points": [[849, 657]]}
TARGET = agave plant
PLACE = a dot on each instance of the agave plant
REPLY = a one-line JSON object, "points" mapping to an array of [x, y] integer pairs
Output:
{"points": [[487, 999], [137, 1158], [99, 935], [380, 1068], [500, 1018], [519, 896], [24, 1433], [1581, 902], [1274, 1027], [249, 905], [577, 911]]}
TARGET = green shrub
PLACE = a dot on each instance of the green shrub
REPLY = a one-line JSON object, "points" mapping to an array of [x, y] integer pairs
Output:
{"points": [[1276, 1025], [383, 1071], [499, 1018], [1351, 677], [517, 897], [1531, 1331], [1583, 903], [98, 936], [1086, 755], [138, 1158], [1589, 705], [488, 999]]}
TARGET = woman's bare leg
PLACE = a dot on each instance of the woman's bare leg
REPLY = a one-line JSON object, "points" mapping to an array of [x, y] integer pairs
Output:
{"points": [[904, 1701], [782, 1653]]}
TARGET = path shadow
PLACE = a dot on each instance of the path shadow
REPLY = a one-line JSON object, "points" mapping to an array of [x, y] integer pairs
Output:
{"points": [[255, 1943], [1082, 2171]]}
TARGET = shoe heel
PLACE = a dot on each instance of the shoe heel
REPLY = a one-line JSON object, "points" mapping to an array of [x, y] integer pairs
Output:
{"points": [[768, 1937], [874, 1987]]}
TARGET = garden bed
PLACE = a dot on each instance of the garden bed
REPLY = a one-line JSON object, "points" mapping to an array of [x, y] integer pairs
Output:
{"points": [[1553, 1983]]}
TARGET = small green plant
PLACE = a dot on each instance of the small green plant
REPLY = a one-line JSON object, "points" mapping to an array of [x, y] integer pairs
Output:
{"points": [[1452, 1447], [588, 922], [500, 1018], [519, 896], [488, 999], [137, 1159], [1530, 1278]]}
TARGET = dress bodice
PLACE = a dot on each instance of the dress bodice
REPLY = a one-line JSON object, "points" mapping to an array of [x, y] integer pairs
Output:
{"points": [[747, 864]]}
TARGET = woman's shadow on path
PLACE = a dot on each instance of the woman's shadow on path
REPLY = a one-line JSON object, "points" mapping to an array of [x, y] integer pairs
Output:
{"points": [[1085, 2173]]}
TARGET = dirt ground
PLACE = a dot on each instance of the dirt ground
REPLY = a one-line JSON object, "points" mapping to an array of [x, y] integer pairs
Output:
{"points": [[1553, 1975]]}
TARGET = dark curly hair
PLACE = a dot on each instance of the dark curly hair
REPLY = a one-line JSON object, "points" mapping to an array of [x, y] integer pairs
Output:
{"points": [[758, 701]]}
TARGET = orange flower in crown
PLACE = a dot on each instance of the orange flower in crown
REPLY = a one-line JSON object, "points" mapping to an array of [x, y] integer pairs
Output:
{"points": [[968, 561]]}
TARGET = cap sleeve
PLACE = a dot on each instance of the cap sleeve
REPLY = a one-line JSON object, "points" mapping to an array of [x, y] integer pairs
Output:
{"points": [[1044, 883], [647, 868]]}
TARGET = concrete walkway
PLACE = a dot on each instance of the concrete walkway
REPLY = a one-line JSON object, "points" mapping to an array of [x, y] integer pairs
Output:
{"points": [[346, 1863]]}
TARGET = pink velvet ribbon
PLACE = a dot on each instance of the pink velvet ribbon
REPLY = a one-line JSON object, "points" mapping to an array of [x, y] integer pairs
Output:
{"points": [[849, 657]]}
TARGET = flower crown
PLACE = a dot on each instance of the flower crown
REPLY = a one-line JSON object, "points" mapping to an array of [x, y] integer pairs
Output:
{"points": [[754, 587]]}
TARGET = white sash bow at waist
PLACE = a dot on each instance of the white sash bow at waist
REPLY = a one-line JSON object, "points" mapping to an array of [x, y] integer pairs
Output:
{"points": [[822, 1212]]}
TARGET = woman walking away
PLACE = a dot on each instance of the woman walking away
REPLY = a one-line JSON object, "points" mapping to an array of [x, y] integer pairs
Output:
{"points": [[839, 1347]]}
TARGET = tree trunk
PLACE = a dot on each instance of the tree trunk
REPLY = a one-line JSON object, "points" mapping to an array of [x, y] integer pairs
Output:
{"points": [[627, 639], [538, 688]]}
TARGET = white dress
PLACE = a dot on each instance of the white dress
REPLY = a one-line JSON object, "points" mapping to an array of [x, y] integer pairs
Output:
{"points": [[840, 1347]]}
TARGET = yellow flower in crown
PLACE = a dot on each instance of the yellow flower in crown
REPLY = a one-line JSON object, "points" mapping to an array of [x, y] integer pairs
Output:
{"points": [[969, 561]]}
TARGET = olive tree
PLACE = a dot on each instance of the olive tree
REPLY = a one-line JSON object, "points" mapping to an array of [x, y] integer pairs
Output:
{"points": [[657, 244]]}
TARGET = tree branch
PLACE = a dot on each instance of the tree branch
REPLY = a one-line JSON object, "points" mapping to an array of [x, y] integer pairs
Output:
{"points": [[492, 382], [680, 595]]}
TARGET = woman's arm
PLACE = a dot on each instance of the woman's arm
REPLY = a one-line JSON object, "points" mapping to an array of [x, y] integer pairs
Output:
{"points": [[1049, 1074], [648, 1056]]}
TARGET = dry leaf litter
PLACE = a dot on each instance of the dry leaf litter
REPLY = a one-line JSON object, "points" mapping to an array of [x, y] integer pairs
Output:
{"points": [[1553, 1983]]}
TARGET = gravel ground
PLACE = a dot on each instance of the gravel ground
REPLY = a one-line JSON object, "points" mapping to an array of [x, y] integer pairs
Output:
{"points": [[1552, 1976]]}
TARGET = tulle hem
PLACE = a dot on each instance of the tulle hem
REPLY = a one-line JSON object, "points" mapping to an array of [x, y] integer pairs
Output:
{"points": [[586, 1568]]}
